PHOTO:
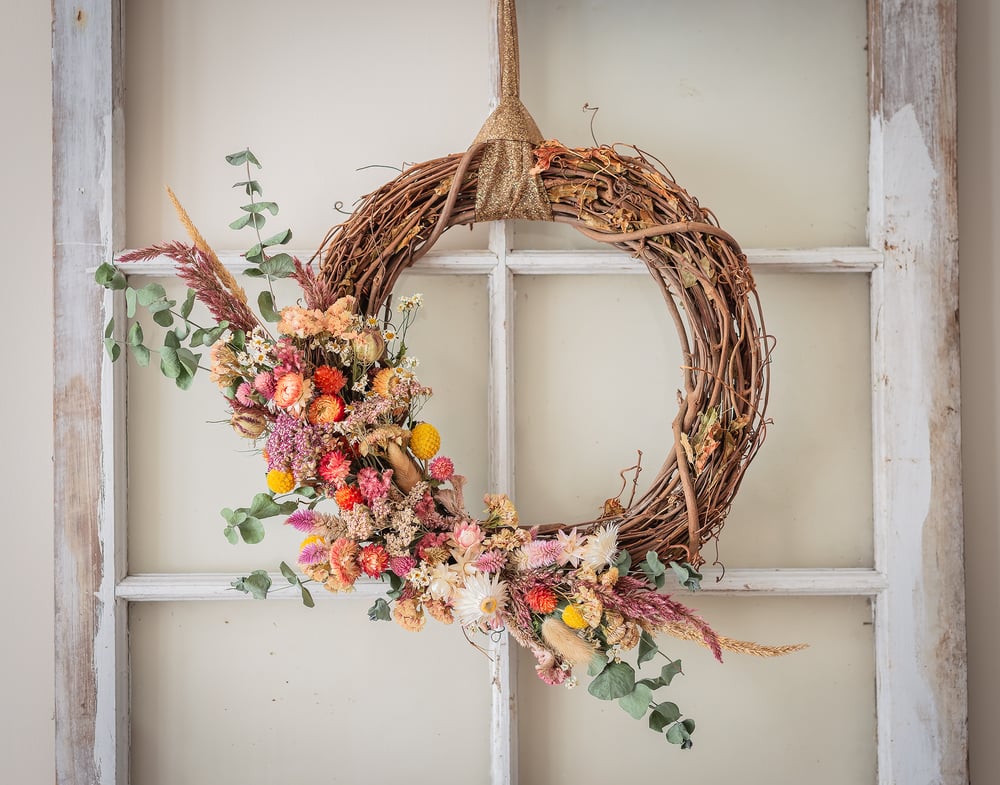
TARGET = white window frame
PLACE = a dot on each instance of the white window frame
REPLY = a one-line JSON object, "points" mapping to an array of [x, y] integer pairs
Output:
{"points": [[916, 585]]}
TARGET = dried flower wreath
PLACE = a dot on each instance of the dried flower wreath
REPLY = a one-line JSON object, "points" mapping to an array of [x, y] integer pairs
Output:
{"points": [[333, 397]]}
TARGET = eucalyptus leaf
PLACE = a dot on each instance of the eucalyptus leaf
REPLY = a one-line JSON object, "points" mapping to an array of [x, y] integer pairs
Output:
{"points": [[258, 583], [118, 281], [281, 238], [184, 379], [647, 647], [597, 664], [163, 318], [678, 734], [265, 302], [263, 506], [188, 305], [150, 293], [228, 514], [662, 715], [288, 572], [396, 587], [238, 159], [668, 671], [170, 341], [170, 366], [182, 331], [112, 348], [109, 330], [104, 273], [380, 611], [636, 702], [231, 535], [615, 681], [253, 272], [687, 575], [239, 337], [280, 265], [252, 531], [623, 563], [240, 222], [130, 301], [141, 354], [258, 207], [307, 598], [189, 360]]}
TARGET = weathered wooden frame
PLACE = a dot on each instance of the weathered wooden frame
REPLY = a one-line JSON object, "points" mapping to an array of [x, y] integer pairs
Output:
{"points": [[916, 584]]}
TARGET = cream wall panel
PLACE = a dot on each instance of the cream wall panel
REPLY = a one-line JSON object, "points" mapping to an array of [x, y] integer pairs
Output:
{"points": [[252, 692], [759, 109], [186, 463], [808, 717], [317, 90], [596, 367]]}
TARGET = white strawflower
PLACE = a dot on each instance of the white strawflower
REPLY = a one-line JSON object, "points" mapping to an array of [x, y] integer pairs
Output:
{"points": [[480, 600], [601, 547]]}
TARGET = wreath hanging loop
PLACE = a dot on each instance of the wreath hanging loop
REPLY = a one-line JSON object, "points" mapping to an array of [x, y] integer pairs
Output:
{"points": [[507, 186]]}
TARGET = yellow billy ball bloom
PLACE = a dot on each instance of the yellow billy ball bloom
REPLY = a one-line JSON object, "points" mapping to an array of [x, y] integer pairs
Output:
{"points": [[425, 441], [280, 482], [573, 618]]}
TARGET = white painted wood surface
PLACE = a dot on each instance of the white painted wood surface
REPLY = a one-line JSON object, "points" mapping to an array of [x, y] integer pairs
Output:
{"points": [[920, 618], [91, 676], [834, 582], [596, 262]]}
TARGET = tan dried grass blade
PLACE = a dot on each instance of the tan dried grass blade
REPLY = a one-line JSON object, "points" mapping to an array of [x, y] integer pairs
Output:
{"points": [[201, 243], [687, 632]]}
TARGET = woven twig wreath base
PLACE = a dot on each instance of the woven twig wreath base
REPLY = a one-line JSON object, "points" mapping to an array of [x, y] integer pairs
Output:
{"points": [[706, 283]]}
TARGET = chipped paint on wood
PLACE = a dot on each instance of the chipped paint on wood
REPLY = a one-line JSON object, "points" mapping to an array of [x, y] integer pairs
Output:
{"points": [[920, 620], [88, 156]]}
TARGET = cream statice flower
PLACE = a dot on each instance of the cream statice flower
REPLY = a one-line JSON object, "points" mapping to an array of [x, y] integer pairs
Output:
{"points": [[573, 547], [601, 547], [480, 600]]}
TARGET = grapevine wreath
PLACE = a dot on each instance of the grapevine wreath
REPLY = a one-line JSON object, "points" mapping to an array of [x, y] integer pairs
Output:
{"points": [[327, 389]]}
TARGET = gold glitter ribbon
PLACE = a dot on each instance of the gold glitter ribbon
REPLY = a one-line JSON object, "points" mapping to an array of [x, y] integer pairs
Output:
{"points": [[507, 188]]}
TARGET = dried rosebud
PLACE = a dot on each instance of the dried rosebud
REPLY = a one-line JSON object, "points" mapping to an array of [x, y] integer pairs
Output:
{"points": [[248, 423], [368, 347]]}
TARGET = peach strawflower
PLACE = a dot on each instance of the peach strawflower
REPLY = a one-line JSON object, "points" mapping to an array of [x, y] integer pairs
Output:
{"points": [[326, 409], [288, 390], [344, 568]]}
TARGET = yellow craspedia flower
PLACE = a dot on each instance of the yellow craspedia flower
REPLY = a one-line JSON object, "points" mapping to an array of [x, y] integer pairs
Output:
{"points": [[280, 482], [573, 618], [425, 441]]}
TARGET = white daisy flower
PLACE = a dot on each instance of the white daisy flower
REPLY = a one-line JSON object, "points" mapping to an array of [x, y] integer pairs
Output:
{"points": [[480, 601], [601, 547], [410, 363]]}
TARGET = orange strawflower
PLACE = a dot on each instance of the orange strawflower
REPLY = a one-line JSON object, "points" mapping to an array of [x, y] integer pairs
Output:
{"points": [[330, 381], [347, 497], [288, 390], [541, 599], [326, 409]]}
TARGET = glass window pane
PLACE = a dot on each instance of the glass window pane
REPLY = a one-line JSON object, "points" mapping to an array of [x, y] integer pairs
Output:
{"points": [[186, 463], [597, 367], [808, 717], [766, 125], [237, 692], [206, 79]]}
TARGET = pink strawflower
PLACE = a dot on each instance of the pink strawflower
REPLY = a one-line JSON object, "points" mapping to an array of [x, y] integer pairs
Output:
{"points": [[244, 394], [304, 520], [264, 384], [401, 565], [548, 668], [541, 553], [374, 486], [334, 468], [467, 535], [441, 468], [491, 561]]}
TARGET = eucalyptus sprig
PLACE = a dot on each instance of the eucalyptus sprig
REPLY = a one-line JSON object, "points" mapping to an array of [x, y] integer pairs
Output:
{"points": [[177, 361], [263, 265]]}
